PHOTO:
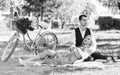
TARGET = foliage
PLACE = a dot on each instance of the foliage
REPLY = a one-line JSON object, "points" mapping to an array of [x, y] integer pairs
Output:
{"points": [[6, 4], [3, 4], [62, 9], [41, 6], [107, 23], [116, 23], [112, 4], [109, 3], [70, 9]]}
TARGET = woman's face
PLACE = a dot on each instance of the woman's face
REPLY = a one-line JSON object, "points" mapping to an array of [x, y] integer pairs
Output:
{"points": [[83, 21]]}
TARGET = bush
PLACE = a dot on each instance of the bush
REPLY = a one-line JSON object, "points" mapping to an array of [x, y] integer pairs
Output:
{"points": [[105, 22], [116, 23]]}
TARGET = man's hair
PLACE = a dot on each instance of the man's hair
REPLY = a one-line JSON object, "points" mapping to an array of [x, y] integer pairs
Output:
{"points": [[80, 17]]}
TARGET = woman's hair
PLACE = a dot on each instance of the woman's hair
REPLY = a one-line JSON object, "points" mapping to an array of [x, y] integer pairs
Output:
{"points": [[80, 17]]}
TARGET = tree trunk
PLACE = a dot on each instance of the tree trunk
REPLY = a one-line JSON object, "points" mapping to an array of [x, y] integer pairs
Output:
{"points": [[37, 22], [42, 11]]}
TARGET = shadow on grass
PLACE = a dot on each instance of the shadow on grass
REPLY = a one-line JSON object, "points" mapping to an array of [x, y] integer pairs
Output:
{"points": [[71, 69], [57, 70], [109, 46], [100, 40]]}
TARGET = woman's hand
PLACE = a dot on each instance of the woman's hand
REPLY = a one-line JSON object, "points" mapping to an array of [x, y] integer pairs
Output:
{"points": [[73, 47]]}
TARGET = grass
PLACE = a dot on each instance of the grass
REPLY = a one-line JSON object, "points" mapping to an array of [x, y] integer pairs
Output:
{"points": [[110, 40], [106, 40]]}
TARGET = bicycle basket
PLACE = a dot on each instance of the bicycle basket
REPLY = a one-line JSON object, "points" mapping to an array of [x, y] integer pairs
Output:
{"points": [[23, 24]]}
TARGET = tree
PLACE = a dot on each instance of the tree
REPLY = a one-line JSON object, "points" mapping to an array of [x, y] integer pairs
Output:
{"points": [[70, 9], [112, 4], [2, 4], [41, 6], [109, 3], [118, 4]]}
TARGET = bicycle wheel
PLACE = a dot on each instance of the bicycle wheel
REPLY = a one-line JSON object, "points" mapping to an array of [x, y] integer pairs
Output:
{"points": [[10, 48], [47, 41]]}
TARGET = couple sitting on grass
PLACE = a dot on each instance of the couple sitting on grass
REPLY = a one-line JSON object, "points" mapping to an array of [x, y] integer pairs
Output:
{"points": [[83, 48]]}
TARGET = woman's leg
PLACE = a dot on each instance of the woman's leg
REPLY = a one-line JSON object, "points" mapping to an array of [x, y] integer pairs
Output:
{"points": [[41, 55]]}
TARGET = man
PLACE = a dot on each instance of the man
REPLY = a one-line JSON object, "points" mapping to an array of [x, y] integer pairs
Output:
{"points": [[79, 35], [78, 38]]}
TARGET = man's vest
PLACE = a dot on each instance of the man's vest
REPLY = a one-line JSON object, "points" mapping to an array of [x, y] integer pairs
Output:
{"points": [[78, 36]]}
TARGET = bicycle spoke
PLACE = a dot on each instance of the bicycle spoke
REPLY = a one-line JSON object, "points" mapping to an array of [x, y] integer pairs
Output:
{"points": [[48, 41]]}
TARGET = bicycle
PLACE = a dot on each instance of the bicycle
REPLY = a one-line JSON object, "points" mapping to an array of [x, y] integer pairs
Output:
{"points": [[47, 40]]}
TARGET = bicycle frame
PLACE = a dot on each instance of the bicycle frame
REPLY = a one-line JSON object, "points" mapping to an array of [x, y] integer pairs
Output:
{"points": [[34, 42]]}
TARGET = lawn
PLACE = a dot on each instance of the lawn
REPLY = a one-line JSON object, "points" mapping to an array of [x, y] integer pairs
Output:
{"points": [[105, 41]]}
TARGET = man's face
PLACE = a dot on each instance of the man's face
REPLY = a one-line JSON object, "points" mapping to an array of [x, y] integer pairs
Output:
{"points": [[83, 21]]}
